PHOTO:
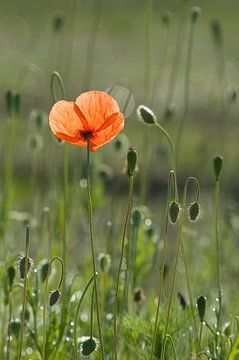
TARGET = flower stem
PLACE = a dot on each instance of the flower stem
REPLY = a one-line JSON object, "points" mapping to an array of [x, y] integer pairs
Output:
{"points": [[24, 301], [92, 242], [45, 300], [77, 312], [131, 187]]}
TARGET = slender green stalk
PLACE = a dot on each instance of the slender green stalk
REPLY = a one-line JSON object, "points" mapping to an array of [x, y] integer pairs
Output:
{"points": [[128, 212], [77, 313], [171, 181], [179, 242], [147, 53], [46, 299], [92, 313], [186, 90], [24, 300], [199, 338], [171, 144], [92, 242], [65, 211]]}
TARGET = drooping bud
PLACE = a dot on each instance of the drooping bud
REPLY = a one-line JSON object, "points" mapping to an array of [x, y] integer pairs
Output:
{"points": [[201, 304], [88, 345], [139, 295], [9, 102], [217, 163], [166, 17], [131, 161], [174, 212], [15, 327], [195, 13], [54, 297], [58, 21], [194, 211], [146, 115], [35, 142]]}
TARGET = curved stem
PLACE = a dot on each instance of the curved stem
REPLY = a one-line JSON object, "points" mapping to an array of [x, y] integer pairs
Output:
{"points": [[131, 187], [167, 336], [24, 292], [171, 144], [55, 76], [77, 312], [171, 180], [45, 300], [92, 242]]}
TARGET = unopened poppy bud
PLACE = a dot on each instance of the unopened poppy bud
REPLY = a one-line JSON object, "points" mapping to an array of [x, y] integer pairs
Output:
{"points": [[9, 102], [15, 327], [201, 304], [27, 314], [88, 346], [174, 212], [54, 297], [166, 17], [195, 12], [139, 295], [25, 265], [38, 118], [182, 300], [11, 272], [44, 267], [216, 28], [194, 211], [217, 163], [132, 161], [146, 115], [136, 217], [58, 21], [35, 142], [104, 261]]}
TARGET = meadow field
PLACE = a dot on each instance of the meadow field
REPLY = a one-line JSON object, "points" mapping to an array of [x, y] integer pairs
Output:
{"points": [[125, 246]]}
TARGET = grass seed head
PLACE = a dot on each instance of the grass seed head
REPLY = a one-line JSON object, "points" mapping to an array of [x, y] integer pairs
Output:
{"points": [[131, 161], [24, 269], [11, 272]]}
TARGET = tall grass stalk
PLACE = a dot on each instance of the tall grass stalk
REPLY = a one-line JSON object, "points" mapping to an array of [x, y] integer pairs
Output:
{"points": [[171, 188], [56, 258], [179, 242], [128, 212], [92, 243], [24, 300]]}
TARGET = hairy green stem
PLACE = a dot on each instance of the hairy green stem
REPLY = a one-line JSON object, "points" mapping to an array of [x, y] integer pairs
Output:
{"points": [[92, 242], [128, 212]]}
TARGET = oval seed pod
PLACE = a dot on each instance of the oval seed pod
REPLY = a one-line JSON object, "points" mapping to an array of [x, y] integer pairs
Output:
{"points": [[88, 346], [132, 161], [201, 304], [194, 211], [146, 115], [182, 300], [104, 261], [11, 272], [216, 28], [174, 212], [217, 164], [54, 297], [58, 21]]}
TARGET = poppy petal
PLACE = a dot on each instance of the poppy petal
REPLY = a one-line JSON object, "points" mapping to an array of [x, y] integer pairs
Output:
{"points": [[64, 120], [96, 106], [72, 139]]}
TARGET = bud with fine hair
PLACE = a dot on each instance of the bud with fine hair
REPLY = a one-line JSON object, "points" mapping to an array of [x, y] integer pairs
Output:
{"points": [[146, 115], [54, 297], [136, 217], [174, 211], [194, 211], [88, 345], [104, 262]]}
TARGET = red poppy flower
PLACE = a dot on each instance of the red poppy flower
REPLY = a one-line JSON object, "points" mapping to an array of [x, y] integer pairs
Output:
{"points": [[94, 115]]}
